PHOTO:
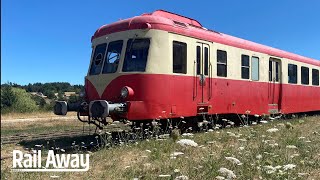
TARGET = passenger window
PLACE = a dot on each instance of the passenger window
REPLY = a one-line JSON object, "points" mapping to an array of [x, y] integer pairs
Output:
{"points": [[315, 77], [270, 70], [255, 68], [304, 75], [245, 67], [136, 55], [97, 59], [206, 60], [198, 59], [179, 57], [292, 74], [277, 71], [221, 63], [113, 57]]}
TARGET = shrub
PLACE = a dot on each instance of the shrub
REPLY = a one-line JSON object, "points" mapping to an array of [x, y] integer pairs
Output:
{"points": [[24, 101], [74, 99]]}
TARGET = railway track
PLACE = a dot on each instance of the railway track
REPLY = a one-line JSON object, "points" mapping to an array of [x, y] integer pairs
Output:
{"points": [[116, 128]]}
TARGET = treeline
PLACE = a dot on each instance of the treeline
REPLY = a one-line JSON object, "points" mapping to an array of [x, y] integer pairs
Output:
{"points": [[48, 89], [18, 99]]}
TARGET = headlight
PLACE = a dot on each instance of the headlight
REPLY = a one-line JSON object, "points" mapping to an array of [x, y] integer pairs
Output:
{"points": [[124, 92]]}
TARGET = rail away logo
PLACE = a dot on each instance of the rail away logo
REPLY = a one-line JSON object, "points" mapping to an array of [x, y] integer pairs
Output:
{"points": [[25, 162]]}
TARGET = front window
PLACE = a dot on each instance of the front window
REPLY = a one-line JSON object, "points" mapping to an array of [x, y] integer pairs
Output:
{"points": [[112, 57], [136, 55], [97, 59]]}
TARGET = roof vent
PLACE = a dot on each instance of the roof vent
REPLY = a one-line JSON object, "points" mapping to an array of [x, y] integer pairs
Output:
{"points": [[180, 24], [177, 18]]}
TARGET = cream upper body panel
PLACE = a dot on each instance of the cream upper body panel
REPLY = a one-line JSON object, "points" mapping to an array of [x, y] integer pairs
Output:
{"points": [[234, 60], [160, 57]]}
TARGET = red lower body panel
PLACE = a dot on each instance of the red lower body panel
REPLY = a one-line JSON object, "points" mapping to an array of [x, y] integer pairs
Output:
{"points": [[169, 96]]}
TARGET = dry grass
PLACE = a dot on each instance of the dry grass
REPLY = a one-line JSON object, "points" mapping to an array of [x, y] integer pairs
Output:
{"points": [[40, 124], [12, 116], [263, 155]]}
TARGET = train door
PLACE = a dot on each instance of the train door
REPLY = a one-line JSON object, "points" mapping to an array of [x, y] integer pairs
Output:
{"points": [[203, 76], [274, 85]]}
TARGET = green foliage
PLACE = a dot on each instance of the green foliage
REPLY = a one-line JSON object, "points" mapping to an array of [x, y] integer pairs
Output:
{"points": [[8, 98], [50, 94], [48, 89], [61, 97], [24, 102], [16, 98], [39, 101], [74, 99]]}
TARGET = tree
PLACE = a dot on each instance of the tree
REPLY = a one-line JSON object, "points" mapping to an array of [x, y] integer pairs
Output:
{"points": [[8, 98], [50, 95]]}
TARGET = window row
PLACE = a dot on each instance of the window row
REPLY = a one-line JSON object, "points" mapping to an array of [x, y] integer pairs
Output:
{"points": [[106, 57], [202, 52], [249, 66], [293, 75]]}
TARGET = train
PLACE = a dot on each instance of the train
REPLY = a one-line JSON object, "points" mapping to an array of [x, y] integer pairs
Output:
{"points": [[162, 65]]}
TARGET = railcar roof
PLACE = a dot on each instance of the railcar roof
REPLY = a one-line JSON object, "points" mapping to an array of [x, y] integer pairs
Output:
{"points": [[175, 23]]}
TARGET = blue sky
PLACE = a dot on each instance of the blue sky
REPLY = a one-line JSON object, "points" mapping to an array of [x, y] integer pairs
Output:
{"points": [[49, 41]]}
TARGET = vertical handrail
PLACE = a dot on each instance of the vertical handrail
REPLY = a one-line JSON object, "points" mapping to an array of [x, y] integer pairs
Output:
{"points": [[210, 81], [195, 89], [269, 86]]}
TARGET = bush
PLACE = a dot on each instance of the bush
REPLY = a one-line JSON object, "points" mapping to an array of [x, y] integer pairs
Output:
{"points": [[48, 107], [39, 100], [24, 101], [74, 99], [17, 100]]}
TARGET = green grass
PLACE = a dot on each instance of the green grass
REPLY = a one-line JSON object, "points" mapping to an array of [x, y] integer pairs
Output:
{"points": [[203, 162]]}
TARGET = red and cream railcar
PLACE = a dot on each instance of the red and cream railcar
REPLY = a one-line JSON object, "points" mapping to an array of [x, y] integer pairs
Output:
{"points": [[163, 65]]}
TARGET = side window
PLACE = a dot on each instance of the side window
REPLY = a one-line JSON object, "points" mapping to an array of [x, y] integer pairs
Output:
{"points": [[221, 63], [315, 77], [277, 64], [304, 75], [255, 68], [292, 74], [270, 70], [206, 60], [136, 55], [179, 57], [245, 67], [97, 59], [113, 57], [198, 59]]}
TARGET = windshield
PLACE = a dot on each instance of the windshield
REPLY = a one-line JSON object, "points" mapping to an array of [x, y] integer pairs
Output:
{"points": [[136, 55], [97, 59], [113, 57]]}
